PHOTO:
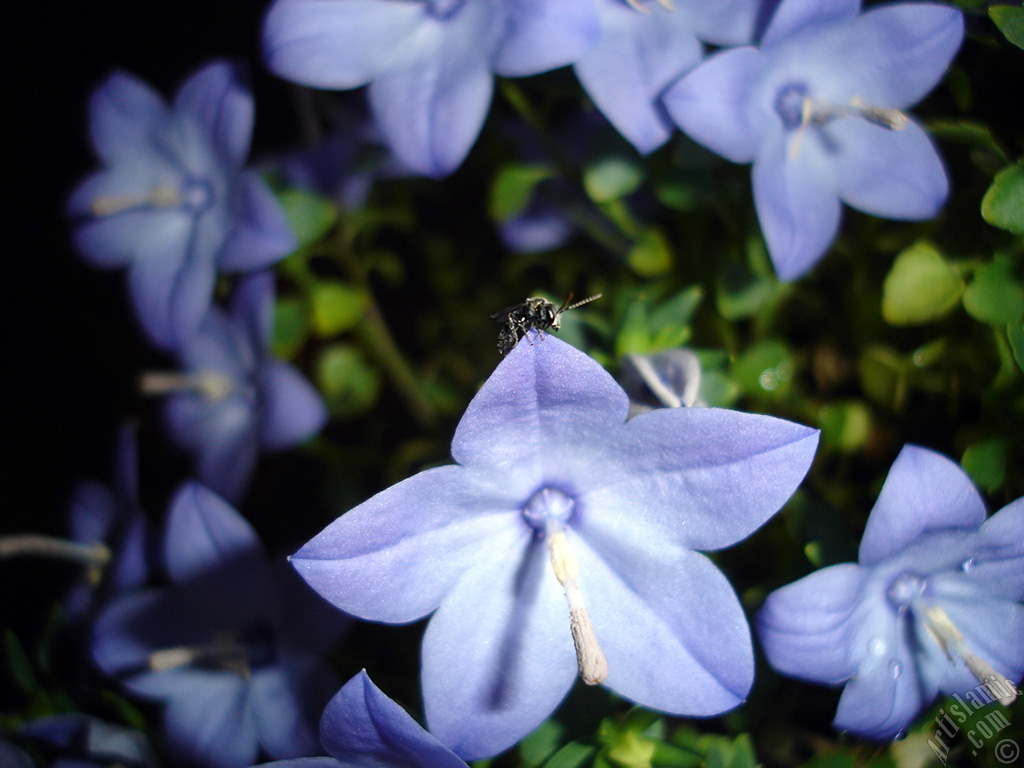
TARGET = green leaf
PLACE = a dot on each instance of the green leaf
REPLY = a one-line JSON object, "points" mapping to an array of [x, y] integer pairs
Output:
{"points": [[612, 178], [652, 254], [1003, 203], [676, 311], [349, 384], [1010, 20], [740, 293], [1015, 333], [311, 216], [985, 462], [920, 287], [765, 369], [541, 744], [291, 327], [845, 425], [573, 755], [995, 295], [513, 187], [18, 662], [336, 308]]}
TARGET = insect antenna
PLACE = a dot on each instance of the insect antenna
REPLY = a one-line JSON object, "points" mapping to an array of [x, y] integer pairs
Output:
{"points": [[580, 303]]}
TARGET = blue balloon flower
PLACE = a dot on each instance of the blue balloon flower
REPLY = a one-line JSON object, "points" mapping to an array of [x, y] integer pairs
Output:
{"points": [[234, 398], [645, 45], [430, 64], [556, 498], [232, 649], [817, 108], [933, 605], [111, 517], [174, 202]]}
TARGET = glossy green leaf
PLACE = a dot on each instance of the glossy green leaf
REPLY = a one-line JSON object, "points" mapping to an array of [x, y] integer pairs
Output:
{"points": [[1003, 203], [291, 327], [513, 187], [652, 254], [349, 384], [765, 369], [1010, 20], [740, 293], [310, 215], [336, 308], [1015, 334], [845, 425], [995, 295], [985, 462], [572, 755], [920, 287], [612, 177]]}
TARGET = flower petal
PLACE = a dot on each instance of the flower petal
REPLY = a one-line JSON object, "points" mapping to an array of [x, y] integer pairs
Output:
{"points": [[637, 57], [923, 492], [261, 234], [543, 395], [152, 282], [362, 726], [1001, 564], [286, 700], [217, 98], [292, 410], [124, 114], [541, 35], [697, 657], [711, 104], [992, 628], [797, 206], [894, 174], [336, 44], [395, 556], [703, 478], [885, 695], [432, 110], [204, 532], [798, 17], [211, 724], [498, 654], [92, 514], [252, 309], [899, 53], [805, 627]]}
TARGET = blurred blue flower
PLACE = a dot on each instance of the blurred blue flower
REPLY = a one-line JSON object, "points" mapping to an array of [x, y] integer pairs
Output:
{"points": [[80, 741], [174, 202], [817, 109], [111, 517], [667, 379], [363, 727], [234, 398], [232, 649], [556, 498], [933, 605], [430, 64], [644, 46]]}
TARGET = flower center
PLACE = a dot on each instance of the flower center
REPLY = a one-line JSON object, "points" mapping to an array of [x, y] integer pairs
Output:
{"points": [[212, 385], [789, 104], [906, 589], [548, 510], [240, 652], [194, 194], [444, 9]]}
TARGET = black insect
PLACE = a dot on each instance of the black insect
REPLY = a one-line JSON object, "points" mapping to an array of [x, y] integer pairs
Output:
{"points": [[535, 312]]}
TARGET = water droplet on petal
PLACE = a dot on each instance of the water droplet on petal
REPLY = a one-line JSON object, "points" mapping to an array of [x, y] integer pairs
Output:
{"points": [[895, 669], [968, 565], [877, 646], [900, 735]]}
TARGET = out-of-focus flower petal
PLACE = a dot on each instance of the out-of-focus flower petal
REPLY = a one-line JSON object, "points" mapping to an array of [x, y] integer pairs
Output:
{"points": [[293, 410], [923, 492], [261, 233], [124, 113], [805, 627], [898, 175], [218, 100], [797, 206], [711, 103], [806, 17], [545, 34], [213, 725]]}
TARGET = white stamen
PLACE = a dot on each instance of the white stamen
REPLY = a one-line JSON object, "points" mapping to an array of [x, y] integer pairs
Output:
{"points": [[222, 651], [158, 197], [590, 659], [93, 555], [820, 113], [946, 634], [212, 385]]}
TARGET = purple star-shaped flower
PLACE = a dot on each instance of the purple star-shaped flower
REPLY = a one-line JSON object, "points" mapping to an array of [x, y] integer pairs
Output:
{"points": [[556, 498], [232, 649], [817, 109], [111, 517], [933, 605], [363, 727], [430, 64], [644, 46], [174, 203], [234, 398]]}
